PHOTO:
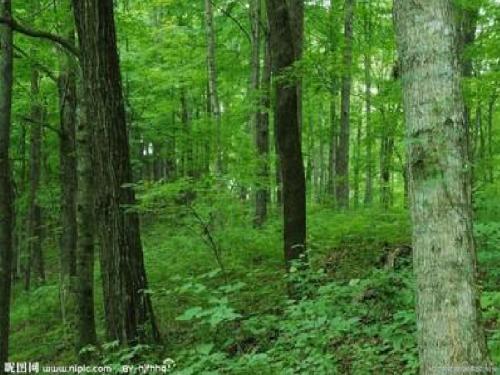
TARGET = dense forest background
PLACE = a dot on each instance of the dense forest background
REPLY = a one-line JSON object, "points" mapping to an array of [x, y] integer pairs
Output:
{"points": [[148, 196]]}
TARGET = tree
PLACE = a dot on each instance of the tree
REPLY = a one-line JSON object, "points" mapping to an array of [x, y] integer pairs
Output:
{"points": [[367, 60], [6, 193], [288, 132], [35, 256], [213, 93], [68, 174], [128, 309], [342, 158], [260, 117], [449, 330]]}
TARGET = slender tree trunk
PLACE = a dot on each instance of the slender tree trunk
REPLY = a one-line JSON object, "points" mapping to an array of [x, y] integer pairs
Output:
{"points": [[448, 318], [261, 116], [288, 133], [35, 258], [333, 42], [357, 164], [21, 230], [213, 93], [491, 109], [368, 106], [186, 123], [342, 159], [334, 141], [6, 193], [386, 156], [68, 178], [128, 310]]}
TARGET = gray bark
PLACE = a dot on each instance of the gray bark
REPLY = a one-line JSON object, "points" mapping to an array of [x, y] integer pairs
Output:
{"points": [[448, 318], [342, 157], [213, 93]]}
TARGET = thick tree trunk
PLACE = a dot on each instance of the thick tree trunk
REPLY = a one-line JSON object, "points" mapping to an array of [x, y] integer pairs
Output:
{"points": [[84, 288], [86, 331], [342, 159], [448, 318], [6, 193], [35, 257], [288, 133], [213, 93], [296, 9], [128, 310], [468, 24]]}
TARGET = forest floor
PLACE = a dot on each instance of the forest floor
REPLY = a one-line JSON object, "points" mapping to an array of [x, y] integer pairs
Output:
{"points": [[356, 316]]}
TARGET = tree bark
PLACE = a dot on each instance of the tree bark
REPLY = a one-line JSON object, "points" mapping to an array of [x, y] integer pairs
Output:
{"points": [[342, 159], [128, 310], [68, 180], [357, 164], [261, 115], [368, 106], [35, 256], [448, 319], [213, 93], [288, 132], [6, 193], [468, 17], [386, 158], [491, 109], [84, 288]]}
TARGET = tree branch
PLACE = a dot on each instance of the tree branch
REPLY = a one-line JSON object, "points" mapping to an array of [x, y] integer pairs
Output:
{"points": [[65, 44], [228, 14], [38, 65], [42, 124]]}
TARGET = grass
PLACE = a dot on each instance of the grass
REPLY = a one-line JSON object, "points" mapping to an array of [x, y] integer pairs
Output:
{"points": [[254, 323]]}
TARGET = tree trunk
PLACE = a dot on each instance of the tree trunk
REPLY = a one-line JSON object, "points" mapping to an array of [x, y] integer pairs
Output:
{"points": [[186, 123], [334, 136], [213, 93], [357, 164], [261, 116], [491, 109], [68, 179], [128, 310], [288, 134], [448, 318], [6, 193], [468, 25], [342, 159], [84, 288], [35, 257], [386, 156], [296, 10], [368, 106]]}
